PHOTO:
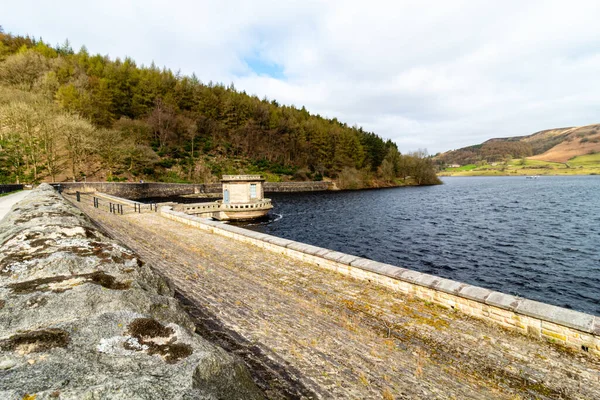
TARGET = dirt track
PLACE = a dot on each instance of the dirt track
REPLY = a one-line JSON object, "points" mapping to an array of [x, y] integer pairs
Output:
{"points": [[307, 332]]}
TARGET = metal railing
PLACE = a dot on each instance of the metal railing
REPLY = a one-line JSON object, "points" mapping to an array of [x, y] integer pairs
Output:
{"points": [[120, 208]]}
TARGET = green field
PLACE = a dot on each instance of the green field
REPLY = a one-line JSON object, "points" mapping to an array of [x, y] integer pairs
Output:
{"points": [[583, 165]]}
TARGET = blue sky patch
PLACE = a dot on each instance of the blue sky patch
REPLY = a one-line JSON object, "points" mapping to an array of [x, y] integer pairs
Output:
{"points": [[262, 67]]}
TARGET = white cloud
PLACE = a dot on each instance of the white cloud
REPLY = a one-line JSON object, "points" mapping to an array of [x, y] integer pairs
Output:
{"points": [[435, 74]]}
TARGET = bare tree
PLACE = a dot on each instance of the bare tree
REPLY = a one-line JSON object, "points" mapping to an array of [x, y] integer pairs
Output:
{"points": [[162, 119], [78, 134]]}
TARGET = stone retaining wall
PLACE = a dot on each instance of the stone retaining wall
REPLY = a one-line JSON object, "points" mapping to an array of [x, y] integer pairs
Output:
{"points": [[10, 188], [312, 186], [157, 189], [134, 190], [573, 329], [82, 317]]}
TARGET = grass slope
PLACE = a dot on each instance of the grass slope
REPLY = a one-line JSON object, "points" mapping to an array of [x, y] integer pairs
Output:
{"points": [[582, 165]]}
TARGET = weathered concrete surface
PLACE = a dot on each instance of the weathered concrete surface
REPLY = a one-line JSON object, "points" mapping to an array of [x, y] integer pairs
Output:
{"points": [[81, 317], [347, 338]]}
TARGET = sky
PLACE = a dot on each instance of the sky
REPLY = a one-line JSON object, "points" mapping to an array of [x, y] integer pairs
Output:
{"points": [[435, 75]]}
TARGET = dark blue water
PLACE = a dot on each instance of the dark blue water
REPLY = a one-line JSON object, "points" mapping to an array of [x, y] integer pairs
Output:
{"points": [[538, 239]]}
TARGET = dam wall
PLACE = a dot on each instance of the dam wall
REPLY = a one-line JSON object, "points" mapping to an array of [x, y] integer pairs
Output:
{"points": [[156, 189], [283, 187], [10, 188], [83, 317], [575, 330]]}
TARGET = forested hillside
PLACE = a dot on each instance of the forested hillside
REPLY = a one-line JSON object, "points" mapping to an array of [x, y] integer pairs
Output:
{"points": [[67, 115]]}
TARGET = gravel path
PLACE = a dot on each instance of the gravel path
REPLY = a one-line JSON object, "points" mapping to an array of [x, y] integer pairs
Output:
{"points": [[306, 332]]}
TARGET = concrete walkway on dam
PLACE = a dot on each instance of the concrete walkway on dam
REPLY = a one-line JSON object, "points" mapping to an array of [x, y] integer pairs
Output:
{"points": [[307, 332], [6, 202]]}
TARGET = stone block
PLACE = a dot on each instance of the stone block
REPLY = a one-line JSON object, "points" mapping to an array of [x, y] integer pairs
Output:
{"points": [[385, 269], [362, 263], [550, 326], [501, 300], [427, 280], [278, 241], [231, 228], [304, 248], [554, 335], [476, 293], [322, 252], [347, 259], [254, 235], [536, 309], [501, 312], [411, 276], [596, 326], [448, 286], [558, 315], [334, 255]]}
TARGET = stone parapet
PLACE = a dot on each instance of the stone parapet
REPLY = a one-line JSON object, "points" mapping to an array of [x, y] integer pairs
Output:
{"points": [[573, 329], [83, 317]]}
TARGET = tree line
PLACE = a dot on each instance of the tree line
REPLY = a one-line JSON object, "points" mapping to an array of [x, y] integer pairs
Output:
{"points": [[74, 115], [495, 150]]}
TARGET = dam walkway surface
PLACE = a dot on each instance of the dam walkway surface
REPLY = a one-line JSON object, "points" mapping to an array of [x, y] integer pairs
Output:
{"points": [[6, 202], [307, 332]]}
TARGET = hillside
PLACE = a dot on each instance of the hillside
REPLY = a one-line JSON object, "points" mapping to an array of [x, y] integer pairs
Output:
{"points": [[67, 115], [564, 146]]}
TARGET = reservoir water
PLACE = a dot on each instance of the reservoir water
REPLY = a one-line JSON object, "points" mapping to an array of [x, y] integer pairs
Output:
{"points": [[535, 238]]}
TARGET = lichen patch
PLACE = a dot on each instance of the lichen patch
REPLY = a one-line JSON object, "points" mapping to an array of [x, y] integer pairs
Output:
{"points": [[157, 339], [35, 341], [59, 284]]}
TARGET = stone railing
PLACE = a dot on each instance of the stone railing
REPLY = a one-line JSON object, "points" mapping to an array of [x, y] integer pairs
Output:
{"points": [[242, 178], [199, 208], [258, 205], [205, 208], [573, 329]]}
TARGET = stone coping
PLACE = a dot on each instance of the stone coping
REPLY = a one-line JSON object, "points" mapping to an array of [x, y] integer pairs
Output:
{"points": [[546, 312]]}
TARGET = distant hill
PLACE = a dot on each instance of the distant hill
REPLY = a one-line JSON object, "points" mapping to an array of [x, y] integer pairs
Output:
{"points": [[553, 145]]}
